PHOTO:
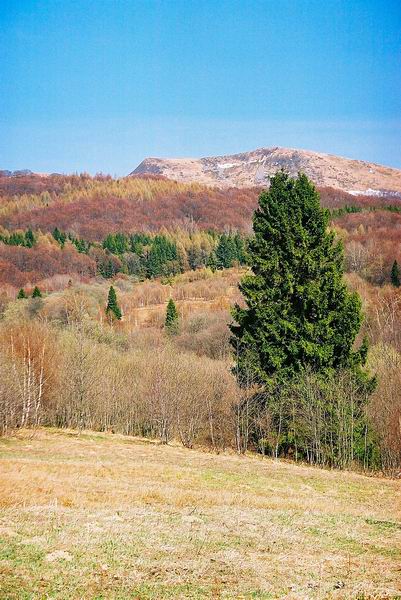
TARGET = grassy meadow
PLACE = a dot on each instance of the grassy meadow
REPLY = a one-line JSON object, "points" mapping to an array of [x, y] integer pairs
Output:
{"points": [[96, 516]]}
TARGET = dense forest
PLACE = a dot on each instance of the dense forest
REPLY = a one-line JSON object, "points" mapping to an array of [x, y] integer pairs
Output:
{"points": [[87, 211], [173, 255], [142, 255]]}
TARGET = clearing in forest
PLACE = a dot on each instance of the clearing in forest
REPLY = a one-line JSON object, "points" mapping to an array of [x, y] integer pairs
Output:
{"points": [[98, 516]]}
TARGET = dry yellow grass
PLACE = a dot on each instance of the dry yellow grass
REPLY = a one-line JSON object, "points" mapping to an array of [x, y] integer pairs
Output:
{"points": [[106, 516]]}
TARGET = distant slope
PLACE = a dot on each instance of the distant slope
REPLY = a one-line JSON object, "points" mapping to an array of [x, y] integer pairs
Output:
{"points": [[254, 168]]}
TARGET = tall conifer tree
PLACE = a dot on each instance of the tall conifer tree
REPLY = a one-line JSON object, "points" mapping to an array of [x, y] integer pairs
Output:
{"points": [[395, 274], [299, 312], [171, 322], [21, 294], [29, 239], [112, 308]]}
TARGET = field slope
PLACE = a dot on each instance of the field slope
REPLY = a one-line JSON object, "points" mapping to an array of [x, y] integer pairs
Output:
{"points": [[107, 516]]}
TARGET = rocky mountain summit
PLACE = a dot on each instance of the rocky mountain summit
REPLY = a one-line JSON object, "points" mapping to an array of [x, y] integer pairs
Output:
{"points": [[254, 168]]}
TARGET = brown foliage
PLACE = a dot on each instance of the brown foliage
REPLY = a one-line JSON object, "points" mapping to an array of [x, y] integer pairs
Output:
{"points": [[92, 207], [372, 243], [20, 266], [28, 355], [93, 218], [384, 408]]}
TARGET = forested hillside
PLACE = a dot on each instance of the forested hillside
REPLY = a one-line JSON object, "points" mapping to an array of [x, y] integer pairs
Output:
{"points": [[200, 358], [88, 269], [70, 221]]}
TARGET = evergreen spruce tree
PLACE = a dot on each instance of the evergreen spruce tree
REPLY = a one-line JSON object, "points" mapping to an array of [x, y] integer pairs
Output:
{"points": [[21, 294], [240, 249], [212, 261], [59, 236], [29, 239], [395, 275], [162, 254], [16, 239], [300, 314], [112, 308], [36, 292], [172, 318], [105, 268], [222, 252], [226, 252]]}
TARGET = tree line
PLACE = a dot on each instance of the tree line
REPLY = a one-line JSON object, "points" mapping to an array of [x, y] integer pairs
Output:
{"points": [[18, 238], [141, 255], [148, 256], [86, 209], [164, 254]]}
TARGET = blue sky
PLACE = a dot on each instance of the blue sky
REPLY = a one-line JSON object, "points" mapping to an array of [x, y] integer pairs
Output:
{"points": [[97, 85]]}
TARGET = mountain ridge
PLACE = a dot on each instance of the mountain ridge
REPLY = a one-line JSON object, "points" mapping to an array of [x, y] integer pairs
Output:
{"points": [[252, 168]]}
